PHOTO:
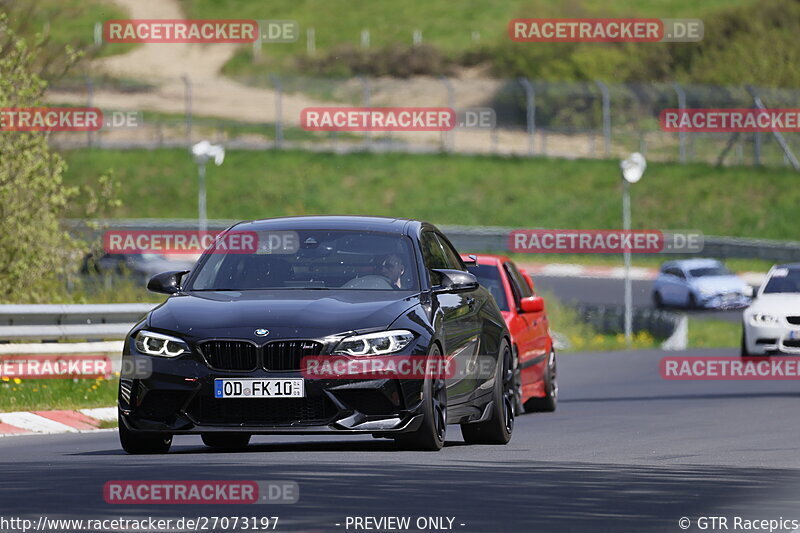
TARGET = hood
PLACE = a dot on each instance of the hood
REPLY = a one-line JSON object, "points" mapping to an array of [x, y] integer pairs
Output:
{"points": [[780, 303], [719, 284], [285, 313]]}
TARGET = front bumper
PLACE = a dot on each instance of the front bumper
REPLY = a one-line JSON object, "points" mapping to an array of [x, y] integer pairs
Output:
{"points": [[773, 339], [723, 301], [178, 397]]}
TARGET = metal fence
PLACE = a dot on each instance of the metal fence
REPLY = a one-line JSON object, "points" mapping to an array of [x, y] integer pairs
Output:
{"points": [[533, 118]]}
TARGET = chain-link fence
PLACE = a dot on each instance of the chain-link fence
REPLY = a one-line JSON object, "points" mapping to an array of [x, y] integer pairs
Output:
{"points": [[533, 118]]}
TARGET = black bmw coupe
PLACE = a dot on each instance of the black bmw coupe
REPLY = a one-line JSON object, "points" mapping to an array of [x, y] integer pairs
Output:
{"points": [[224, 353]]}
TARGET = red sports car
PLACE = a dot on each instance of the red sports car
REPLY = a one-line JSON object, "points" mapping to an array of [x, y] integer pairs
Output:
{"points": [[527, 322]]}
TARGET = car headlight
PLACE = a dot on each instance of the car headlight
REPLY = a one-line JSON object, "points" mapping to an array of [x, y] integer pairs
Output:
{"points": [[160, 344], [380, 343], [763, 319], [706, 291]]}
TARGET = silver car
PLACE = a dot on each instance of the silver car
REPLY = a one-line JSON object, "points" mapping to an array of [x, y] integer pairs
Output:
{"points": [[700, 283]]}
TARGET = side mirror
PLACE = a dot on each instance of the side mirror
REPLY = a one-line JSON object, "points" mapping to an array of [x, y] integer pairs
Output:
{"points": [[470, 260], [166, 282], [454, 280], [532, 304]]}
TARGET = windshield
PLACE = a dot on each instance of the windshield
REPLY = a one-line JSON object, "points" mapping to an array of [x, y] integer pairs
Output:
{"points": [[489, 277], [312, 259], [709, 271], [783, 280]]}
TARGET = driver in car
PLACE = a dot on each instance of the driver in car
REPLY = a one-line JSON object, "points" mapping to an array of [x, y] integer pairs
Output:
{"points": [[392, 268]]}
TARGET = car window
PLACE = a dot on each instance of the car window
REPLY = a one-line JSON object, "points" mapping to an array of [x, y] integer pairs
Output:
{"points": [[432, 252], [451, 256], [489, 277], [522, 286], [709, 271], [433, 255], [324, 259], [674, 271], [515, 289], [783, 280]]}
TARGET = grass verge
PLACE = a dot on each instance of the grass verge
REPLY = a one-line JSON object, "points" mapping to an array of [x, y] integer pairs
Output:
{"points": [[450, 189], [44, 394]]}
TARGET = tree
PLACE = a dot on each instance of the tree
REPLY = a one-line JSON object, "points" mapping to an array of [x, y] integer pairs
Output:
{"points": [[35, 251]]}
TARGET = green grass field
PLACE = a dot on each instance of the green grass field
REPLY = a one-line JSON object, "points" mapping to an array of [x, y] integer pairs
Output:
{"points": [[450, 189], [446, 25], [68, 21], [33, 394]]}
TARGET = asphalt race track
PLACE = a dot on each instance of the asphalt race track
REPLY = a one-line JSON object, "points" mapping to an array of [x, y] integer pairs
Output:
{"points": [[626, 451]]}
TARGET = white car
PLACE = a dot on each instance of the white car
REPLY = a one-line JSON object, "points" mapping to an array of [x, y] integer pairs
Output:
{"points": [[772, 322]]}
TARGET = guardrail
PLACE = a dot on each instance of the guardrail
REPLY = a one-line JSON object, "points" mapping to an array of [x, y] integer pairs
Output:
{"points": [[69, 322], [483, 238]]}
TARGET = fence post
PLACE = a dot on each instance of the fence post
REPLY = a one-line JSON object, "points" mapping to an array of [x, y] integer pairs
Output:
{"points": [[89, 103], [606, 115], [365, 38], [311, 42], [787, 152], [276, 82], [448, 137], [187, 111], [681, 134], [257, 48], [530, 115], [366, 97], [416, 37]]}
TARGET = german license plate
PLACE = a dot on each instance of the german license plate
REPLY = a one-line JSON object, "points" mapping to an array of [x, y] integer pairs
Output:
{"points": [[259, 388], [794, 334]]}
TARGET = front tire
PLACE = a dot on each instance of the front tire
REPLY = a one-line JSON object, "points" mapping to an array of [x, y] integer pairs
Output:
{"points": [[498, 429], [431, 433], [658, 300], [549, 402], [138, 442], [743, 350], [230, 441]]}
